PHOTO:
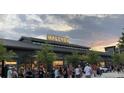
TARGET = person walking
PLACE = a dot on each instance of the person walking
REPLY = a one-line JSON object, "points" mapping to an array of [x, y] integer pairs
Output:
{"points": [[88, 71]]}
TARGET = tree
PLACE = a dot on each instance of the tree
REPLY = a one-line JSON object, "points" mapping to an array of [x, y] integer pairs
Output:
{"points": [[122, 58], [121, 41], [2, 52], [73, 59], [84, 57], [4, 55], [118, 58], [46, 55], [10, 55], [93, 57]]}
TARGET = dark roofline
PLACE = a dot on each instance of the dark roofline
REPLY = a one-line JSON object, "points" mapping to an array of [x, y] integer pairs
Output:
{"points": [[110, 47], [13, 44], [17, 44], [101, 53], [52, 42]]}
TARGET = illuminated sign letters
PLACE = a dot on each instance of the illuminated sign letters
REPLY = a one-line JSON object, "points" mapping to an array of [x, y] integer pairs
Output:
{"points": [[58, 38]]}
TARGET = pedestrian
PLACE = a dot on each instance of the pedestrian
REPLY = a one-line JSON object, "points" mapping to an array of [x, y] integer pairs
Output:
{"points": [[29, 73], [98, 71], [118, 69], [57, 73], [52, 73], [5, 71], [35, 73], [77, 72], [81, 71], [73, 73], [14, 73], [88, 71], [21, 73], [70, 70], [94, 68], [110, 68], [65, 73], [61, 71], [41, 73], [9, 72]]}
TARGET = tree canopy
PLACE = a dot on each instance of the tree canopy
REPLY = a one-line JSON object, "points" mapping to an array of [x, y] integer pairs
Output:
{"points": [[73, 59], [118, 58], [121, 41], [4, 54], [46, 55], [93, 57]]}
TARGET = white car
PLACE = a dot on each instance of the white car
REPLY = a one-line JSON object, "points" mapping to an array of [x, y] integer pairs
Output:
{"points": [[104, 69]]}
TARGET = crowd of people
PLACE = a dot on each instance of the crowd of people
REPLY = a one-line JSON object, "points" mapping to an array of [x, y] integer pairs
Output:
{"points": [[56, 72], [68, 71], [117, 68]]}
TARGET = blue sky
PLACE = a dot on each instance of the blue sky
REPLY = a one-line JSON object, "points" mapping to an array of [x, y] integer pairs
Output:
{"points": [[96, 31]]}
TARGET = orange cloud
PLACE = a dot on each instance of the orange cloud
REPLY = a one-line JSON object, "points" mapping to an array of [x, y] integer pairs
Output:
{"points": [[99, 45], [104, 42]]}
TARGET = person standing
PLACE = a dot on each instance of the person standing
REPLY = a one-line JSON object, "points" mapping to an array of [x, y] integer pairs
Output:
{"points": [[65, 73], [5, 71], [88, 71], [61, 70], [69, 71], [94, 68], [99, 72], [9, 73], [52, 72], [81, 71], [57, 74], [29, 73], [14, 73], [77, 72], [21, 73], [41, 73], [118, 69], [35, 72]]}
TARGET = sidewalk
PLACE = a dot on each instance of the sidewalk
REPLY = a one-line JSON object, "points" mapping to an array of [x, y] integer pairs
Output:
{"points": [[113, 75], [109, 75]]}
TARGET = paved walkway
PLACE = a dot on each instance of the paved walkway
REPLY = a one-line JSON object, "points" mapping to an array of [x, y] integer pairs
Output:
{"points": [[113, 75], [110, 75]]}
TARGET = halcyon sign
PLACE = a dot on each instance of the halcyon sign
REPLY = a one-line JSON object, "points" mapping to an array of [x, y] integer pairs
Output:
{"points": [[58, 38]]}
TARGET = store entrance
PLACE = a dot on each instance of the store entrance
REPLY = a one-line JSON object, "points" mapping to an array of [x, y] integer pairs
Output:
{"points": [[58, 63]]}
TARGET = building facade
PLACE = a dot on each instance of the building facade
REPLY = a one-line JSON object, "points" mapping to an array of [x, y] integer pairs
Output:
{"points": [[26, 47]]}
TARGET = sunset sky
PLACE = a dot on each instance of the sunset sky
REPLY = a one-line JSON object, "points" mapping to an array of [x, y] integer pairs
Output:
{"points": [[95, 31]]}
